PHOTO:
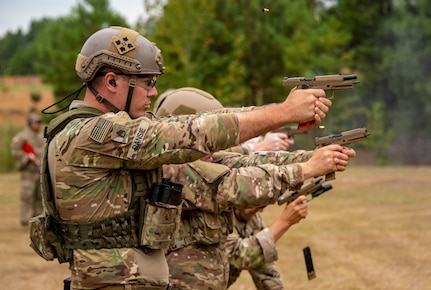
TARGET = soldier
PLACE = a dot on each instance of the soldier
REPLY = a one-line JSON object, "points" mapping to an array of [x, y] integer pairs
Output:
{"points": [[105, 160], [196, 258], [252, 245], [27, 148]]}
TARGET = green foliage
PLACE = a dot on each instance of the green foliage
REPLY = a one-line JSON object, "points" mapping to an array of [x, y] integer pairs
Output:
{"points": [[380, 138], [57, 45], [35, 97], [240, 54], [389, 42], [6, 159], [17, 50]]}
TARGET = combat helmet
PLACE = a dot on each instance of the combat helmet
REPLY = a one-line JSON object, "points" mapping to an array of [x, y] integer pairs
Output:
{"points": [[185, 100], [120, 48], [33, 117]]}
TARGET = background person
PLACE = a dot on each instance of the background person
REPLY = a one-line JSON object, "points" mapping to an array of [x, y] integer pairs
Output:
{"points": [[27, 147], [252, 245]]}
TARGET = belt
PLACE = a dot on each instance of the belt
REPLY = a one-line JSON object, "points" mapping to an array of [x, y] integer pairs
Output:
{"points": [[134, 287]]}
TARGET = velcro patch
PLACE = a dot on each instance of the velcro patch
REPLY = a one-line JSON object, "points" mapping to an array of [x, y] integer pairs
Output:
{"points": [[123, 44], [120, 133], [137, 140], [101, 130]]}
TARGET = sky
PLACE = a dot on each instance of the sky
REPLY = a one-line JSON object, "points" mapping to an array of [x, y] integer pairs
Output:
{"points": [[17, 14]]}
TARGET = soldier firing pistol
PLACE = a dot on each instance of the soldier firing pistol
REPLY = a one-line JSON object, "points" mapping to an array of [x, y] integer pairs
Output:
{"points": [[325, 82], [343, 138], [313, 189]]}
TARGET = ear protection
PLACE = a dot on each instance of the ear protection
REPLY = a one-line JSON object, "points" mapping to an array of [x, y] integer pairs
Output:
{"points": [[113, 83]]}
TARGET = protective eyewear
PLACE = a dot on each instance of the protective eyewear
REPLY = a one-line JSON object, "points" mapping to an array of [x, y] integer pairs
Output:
{"points": [[146, 83]]}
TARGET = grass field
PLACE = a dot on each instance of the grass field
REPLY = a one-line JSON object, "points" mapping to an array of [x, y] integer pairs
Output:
{"points": [[371, 231]]}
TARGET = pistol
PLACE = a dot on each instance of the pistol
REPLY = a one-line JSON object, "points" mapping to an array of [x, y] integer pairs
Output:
{"points": [[325, 82], [314, 189], [290, 131], [343, 138]]}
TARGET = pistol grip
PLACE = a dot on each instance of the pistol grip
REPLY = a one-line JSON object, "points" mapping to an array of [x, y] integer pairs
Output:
{"points": [[330, 176], [305, 126]]}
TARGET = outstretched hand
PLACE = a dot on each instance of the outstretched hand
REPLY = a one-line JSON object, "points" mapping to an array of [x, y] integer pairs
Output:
{"points": [[327, 159], [292, 214]]}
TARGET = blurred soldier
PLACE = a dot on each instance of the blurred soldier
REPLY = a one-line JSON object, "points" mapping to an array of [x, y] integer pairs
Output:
{"points": [[252, 245], [27, 148], [196, 258], [105, 160]]}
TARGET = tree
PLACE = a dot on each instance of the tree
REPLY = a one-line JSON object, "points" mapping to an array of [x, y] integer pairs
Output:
{"points": [[57, 45], [240, 54], [387, 41]]}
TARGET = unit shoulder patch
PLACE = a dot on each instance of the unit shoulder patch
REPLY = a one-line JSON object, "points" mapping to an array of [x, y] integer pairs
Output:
{"points": [[120, 133]]}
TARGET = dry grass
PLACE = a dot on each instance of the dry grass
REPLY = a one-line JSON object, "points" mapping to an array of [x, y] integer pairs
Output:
{"points": [[371, 231], [15, 97], [21, 267]]}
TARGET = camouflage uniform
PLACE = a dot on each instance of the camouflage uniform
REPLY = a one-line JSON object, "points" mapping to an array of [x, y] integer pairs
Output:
{"points": [[196, 258], [31, 200], [90, 163], [252, 247]]}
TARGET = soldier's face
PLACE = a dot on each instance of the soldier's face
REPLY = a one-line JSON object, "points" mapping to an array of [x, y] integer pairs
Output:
{"points": [[141, 101], [35, 126]]}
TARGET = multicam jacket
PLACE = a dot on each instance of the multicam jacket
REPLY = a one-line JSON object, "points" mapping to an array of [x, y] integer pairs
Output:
{"points": [[252, 247], [197, 259], [90, 162]]}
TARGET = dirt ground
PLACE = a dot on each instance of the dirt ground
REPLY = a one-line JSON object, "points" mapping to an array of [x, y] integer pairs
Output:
{"points": [[15, 97], [371, 231]]}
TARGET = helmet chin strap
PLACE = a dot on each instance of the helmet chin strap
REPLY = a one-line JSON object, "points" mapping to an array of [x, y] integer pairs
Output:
{"points": [[132, 85], [108, 104]]}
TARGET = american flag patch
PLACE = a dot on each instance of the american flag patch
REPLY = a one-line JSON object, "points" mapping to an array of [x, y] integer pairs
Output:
{"points": [[101, 130]]}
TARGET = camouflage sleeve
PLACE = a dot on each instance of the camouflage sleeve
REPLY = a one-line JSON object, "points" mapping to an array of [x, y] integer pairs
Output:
{"points": [[115, 140], [249, 251], [256, 186], [235, 160], [234, 110], [266, 277], [241, 149]]}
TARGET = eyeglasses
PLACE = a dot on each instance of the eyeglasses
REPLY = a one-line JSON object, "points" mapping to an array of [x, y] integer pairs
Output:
{"points": [[146, 83]]}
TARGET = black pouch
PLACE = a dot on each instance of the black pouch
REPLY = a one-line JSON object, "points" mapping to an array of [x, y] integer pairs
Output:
{"points": [[162, 216]]}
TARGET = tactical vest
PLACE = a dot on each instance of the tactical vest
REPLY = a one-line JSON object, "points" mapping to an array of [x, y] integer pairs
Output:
{"points": [[52, 238], [202, 226]]}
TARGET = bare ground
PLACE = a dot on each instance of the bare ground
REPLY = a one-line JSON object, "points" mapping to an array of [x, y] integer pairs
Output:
{"points": [[371, 231]]}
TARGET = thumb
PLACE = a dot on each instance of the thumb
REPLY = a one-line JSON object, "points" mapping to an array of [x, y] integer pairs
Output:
{"points": [[300, 199]]}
